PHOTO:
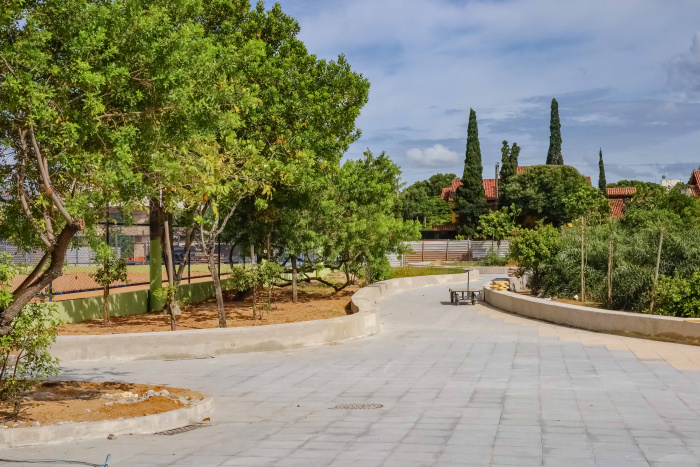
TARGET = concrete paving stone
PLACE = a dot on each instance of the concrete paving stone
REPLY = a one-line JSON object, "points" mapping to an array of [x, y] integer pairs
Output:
{"points": [[515, 460], [460, 386], [204, 461], [252, 461]]}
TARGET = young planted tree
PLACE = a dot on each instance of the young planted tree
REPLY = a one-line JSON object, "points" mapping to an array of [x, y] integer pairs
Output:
{"points": [[534, 250], [602, 184], [470, 199], [554, 156], [110, 269], [498, 225]]}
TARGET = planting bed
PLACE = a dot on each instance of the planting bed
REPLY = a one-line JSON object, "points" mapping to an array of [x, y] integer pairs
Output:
{"points": [[67, 402], [315, 302]]}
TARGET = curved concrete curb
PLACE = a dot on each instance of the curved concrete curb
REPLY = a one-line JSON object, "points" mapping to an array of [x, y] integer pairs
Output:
{"points": [[664, 328], [55, 434], [365, 321]]}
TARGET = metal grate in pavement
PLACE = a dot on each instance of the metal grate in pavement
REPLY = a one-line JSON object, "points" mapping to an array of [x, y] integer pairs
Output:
{"points": [[182, 429], [357, 406]]}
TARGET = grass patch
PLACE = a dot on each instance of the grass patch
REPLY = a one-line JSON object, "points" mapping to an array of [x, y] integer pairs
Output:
{"points": [[413, 271]]}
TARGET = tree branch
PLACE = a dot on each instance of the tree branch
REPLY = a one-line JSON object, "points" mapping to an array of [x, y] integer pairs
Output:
{"points": [[44, 171]]}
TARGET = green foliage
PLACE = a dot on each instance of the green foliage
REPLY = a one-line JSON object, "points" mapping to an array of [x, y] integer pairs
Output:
{"points": [[533, 251], [24, 354], [110, 269], [422, 201], [460, 237], [635, 243], [541, 193], [589, 203], [554, 156], [509, 164], [602, 184], [492, 258], [8, 270], [498, 225], [414, 271], [470, 199], [263, 275], [679, 296]]}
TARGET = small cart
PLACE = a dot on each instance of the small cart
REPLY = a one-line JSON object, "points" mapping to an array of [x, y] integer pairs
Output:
{"points": [[464, 294]]}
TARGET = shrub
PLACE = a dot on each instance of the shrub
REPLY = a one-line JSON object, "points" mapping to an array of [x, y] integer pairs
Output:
{"points": [[679, 296], [492, 258], [24, 355], [534, 250]]}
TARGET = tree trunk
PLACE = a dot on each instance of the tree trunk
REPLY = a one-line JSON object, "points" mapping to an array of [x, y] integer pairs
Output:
{"points": [[171, 303], [27, 291], [217, 288], [294, 279], [105, 304]]}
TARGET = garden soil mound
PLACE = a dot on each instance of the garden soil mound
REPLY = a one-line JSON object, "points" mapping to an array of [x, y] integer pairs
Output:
{"points": [[61, 402]]}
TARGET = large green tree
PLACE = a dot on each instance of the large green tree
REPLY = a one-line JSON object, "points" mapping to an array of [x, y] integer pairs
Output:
{"points": [[602, 184], [422, 201], [84, 87], [554, 155], [542, 192], [470, 199]]}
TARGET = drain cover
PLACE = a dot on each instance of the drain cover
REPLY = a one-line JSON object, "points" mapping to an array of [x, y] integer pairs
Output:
{"points": [[357, 406], [182, 429]]}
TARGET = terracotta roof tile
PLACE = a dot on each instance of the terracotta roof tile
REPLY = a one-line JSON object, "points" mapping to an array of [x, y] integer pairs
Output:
{"points": [[617, 207], [448, 194], [624, 192]]}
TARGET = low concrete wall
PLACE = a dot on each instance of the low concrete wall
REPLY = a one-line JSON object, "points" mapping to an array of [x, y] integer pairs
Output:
{"points": [[622, 323], [365, 321], [127, 303], [55, 434], [492, 269]]}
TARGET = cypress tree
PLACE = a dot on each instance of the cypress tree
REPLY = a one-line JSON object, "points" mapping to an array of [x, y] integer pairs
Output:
{"points": [[470, 198], [509, 158], [554, 156], [602, 184], [514, 153], [505, 162]]}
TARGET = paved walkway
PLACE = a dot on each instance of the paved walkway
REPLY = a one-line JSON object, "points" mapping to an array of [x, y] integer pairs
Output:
{"points": [[465, 385]]}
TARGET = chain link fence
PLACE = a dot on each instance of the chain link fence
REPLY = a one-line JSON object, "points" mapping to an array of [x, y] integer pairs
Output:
{"points": [[130, 242]]}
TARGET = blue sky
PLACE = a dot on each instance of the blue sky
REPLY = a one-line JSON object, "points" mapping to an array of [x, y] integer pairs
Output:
{"points": [[626, 74]]}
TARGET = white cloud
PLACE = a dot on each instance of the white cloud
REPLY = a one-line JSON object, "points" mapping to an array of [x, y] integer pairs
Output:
{"points": [[428, 59], [436, 156]]}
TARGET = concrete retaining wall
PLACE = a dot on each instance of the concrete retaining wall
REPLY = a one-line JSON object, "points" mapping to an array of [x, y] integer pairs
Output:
{"points": [[127, 303], [655, 327], [54, 434], [365, 321]]}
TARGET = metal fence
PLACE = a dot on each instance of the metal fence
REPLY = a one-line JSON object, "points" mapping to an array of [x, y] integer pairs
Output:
{"points": [[130, 242], [430, 251]]}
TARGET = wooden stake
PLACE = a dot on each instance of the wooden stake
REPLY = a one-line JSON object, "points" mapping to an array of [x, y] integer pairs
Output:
{"points": [[656, 274]]}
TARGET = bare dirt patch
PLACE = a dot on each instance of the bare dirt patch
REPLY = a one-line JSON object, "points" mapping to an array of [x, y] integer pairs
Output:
{"points": [[315, 302], [60, 402]]}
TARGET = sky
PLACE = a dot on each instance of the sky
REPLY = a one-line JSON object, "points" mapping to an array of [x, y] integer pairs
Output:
{"points": [[626, 74]]}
